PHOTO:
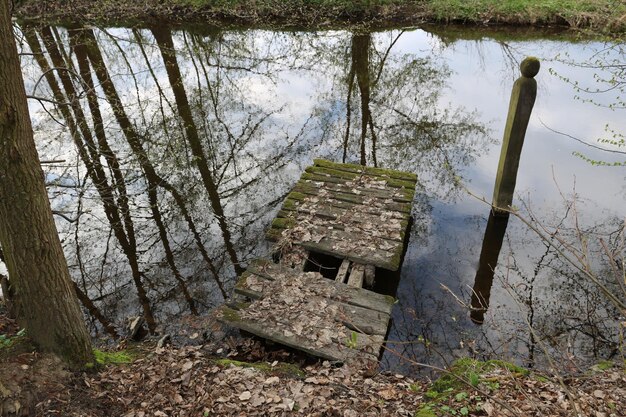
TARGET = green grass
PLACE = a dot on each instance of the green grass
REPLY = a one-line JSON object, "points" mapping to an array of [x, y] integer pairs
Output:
{"points": [[573, 12], [450, 394], [8, 341], [12, 346], [599, 14], [467, 370]]}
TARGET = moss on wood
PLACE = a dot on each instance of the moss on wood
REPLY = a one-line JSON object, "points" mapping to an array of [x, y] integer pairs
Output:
{"points": [[287, 369]]}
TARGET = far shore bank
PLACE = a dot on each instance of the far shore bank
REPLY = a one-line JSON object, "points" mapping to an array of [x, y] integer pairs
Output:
{"points": [[602, 17]]}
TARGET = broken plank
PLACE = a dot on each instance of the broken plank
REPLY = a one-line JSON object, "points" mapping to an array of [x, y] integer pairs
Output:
{"points": [[356, 276], [342, 272], [370, 275], [350, 295], [367, 347]]}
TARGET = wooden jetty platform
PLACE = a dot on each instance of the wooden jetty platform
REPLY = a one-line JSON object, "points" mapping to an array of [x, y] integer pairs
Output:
{"points": [[358, 215]]}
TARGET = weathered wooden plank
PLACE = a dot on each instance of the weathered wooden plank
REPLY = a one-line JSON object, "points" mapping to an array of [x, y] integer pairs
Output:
{"points": [[343, 210], [363, 232], [329, 179], [377, 251], [402, 195], [356, 234], [367, 347], [342, 176], [382, 258], [338, 218], [342, 292], [360, 254], [356, 275], [364, 320], [357, 318], [348, 202], [369, 170], [320, 197], [342, 272]]}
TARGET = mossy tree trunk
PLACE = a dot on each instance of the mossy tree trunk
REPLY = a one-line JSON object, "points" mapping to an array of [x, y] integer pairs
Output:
{"points": [[45, 301]]}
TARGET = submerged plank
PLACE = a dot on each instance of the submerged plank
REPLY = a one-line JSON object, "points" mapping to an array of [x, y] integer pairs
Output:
{"points": [[370, 274]]}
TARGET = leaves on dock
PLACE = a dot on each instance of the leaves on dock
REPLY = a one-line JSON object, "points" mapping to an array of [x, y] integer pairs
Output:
{"points": [[299, 308], [366, 229]]}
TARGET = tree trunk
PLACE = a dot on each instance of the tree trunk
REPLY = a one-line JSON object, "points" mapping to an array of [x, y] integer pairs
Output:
{"points": [[45, 301]]}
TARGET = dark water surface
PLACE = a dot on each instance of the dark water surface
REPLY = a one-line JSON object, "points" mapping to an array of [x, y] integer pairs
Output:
{"points": [[214, 127]]}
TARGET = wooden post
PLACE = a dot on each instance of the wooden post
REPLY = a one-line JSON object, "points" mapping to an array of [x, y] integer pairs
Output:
{"points": [[522, 101]]}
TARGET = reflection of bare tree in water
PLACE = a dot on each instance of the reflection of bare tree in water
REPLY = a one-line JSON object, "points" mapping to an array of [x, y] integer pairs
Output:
{"points": [[164, 40], [116, 209], [133, 154], [157, 115], [399, 111], [573, 296], [360, 69], [87, 51], [542, 307]]}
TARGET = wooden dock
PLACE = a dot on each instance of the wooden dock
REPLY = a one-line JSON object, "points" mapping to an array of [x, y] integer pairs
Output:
{"points": [[359, 216]]}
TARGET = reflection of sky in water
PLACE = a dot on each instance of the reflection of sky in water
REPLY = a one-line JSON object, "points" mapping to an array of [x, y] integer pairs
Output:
{"points": [[446, 241]]}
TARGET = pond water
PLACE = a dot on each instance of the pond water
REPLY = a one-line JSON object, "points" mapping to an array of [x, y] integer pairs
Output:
{"points": [[181, 145]]}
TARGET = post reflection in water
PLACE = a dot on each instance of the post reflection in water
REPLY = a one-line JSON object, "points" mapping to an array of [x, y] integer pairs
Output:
{"points": [[492, 243]]}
